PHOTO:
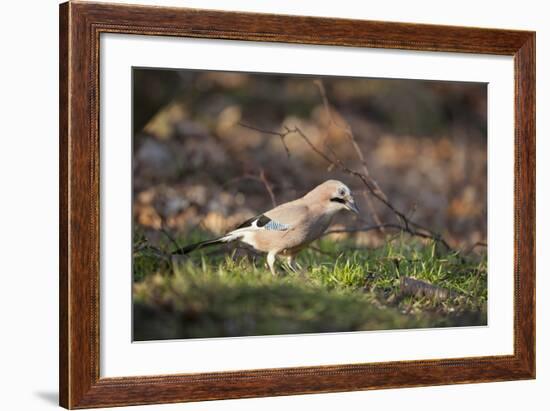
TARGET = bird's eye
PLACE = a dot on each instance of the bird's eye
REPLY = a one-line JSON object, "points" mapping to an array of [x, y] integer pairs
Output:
{"points": [[342, 192]]}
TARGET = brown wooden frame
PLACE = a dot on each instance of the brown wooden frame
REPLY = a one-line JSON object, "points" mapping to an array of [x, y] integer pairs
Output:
{"points": [[80, 27]]}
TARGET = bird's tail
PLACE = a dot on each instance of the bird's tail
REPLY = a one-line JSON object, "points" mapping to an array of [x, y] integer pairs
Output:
{"points": [[192, 247]]}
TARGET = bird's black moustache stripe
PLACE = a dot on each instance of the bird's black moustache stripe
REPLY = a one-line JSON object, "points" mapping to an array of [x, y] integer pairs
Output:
{"points": [[338, 200]]}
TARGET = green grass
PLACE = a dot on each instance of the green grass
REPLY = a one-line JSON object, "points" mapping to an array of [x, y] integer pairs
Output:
{"points": [[341, 288]]}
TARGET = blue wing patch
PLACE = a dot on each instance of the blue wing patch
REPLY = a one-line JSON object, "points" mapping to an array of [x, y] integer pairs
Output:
{"points": [[276, 226]]}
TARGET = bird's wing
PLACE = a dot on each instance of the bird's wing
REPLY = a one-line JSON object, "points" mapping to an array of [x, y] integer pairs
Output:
{"points": [[281, 218], [290, 214], [262, 222]]}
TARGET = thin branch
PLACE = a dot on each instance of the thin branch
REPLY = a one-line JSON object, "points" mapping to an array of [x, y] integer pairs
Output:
{"points": [[375, 215], [268, 188], [170, 237], [374, 227], [349, 133], [362, 229], [261, 179], [273, 133]]}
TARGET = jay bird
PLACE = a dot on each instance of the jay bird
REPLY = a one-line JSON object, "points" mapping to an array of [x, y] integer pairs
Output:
{"points": [[288, 228]]}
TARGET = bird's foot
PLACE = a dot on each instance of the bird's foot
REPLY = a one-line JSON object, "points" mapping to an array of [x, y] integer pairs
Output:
{"points": [[289, 268], [294, 268]]}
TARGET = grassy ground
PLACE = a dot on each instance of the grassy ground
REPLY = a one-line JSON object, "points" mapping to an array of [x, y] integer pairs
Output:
{"points": [[224, 292]]}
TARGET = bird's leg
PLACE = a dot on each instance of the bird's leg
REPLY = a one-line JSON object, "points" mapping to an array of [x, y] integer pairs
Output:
{"points": [[293, 266], [271, 262], [291, 263]]}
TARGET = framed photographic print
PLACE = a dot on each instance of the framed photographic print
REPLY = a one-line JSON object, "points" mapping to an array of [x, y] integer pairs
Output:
{"points": [[257, 205]]}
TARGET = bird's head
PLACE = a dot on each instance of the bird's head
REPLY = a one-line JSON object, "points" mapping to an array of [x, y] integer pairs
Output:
{"points": [[334, 196]]}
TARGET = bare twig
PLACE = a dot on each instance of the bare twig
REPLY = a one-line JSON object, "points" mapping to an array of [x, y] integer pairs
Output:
{"points": [[268, 188], [261, 178], [349, 133], [273, 133], [414, 233], [170, 237], [375, 215], [362, 229]]}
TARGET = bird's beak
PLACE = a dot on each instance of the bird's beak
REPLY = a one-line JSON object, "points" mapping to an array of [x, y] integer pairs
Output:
{"points": [[350, 204]]}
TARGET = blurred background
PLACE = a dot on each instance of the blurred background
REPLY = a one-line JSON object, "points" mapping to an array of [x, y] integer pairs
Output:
{"points": [[196, 166], [207, 156]]}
